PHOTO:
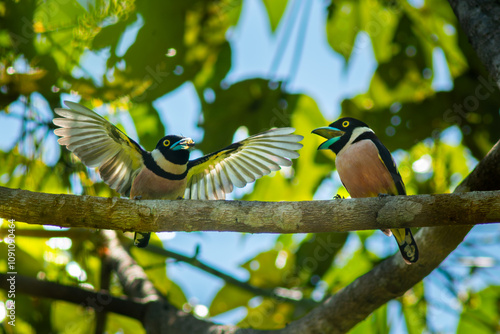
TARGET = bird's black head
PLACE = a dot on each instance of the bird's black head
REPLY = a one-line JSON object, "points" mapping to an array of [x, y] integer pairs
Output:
{"points": [[175, 148], [340, 132]]}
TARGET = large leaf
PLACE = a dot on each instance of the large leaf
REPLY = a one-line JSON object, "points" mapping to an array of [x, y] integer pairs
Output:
{"points": [[148, 125], [343, 26], [376, 323], [379, 19], [229, 297], [338, 277], [316, 254], [28, 260], [414, 308], [270, 269], [250, 103], [71, 318], [269, 314], [116, 323], [435, 24], [481, 314], [275, 10]]}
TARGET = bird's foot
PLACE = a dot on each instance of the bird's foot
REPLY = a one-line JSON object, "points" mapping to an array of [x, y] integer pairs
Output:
{"points": [[383, 195], [137, 198], [338, 197]]}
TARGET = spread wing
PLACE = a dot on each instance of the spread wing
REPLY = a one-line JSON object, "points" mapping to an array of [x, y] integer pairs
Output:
{"points": [[214, 175], [100, 144]]}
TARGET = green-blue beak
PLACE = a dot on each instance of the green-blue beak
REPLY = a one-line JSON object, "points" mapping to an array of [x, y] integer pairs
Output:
{"points": [[183, 144], [330, 133]]}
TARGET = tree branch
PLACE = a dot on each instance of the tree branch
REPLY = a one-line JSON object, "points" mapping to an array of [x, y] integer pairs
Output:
{"points": [[73, 233], [99, 301], [480, 20], [105, 280], [280, 294], [255, 217]]}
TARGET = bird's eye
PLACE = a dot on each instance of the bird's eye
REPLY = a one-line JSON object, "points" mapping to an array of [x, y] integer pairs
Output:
{"points": [[345, 124], [166, 143]]}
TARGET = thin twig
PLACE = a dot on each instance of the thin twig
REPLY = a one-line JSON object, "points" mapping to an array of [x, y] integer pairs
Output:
{"points": [[279, 294], [100, 301]]}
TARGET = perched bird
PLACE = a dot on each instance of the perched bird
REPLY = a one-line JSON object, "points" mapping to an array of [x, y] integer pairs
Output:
{"points": [[367, 169], [166, 172]]}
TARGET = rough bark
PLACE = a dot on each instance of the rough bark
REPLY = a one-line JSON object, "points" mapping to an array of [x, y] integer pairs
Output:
{"points": [[480, 20], [254, 217]]}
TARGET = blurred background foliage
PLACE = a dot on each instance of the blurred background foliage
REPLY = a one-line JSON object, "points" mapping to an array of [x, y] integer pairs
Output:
{"points": [[50, 51]]}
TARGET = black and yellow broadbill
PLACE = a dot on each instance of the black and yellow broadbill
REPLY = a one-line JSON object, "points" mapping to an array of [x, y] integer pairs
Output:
{"points": [[367, 169], [166, 172]]}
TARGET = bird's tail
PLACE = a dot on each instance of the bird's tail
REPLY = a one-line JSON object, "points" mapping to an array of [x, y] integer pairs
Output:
{"points": [[407, 245], [141, 239]]}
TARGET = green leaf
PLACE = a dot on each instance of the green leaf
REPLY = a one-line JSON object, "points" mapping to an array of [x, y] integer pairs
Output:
{"points": [[342, 26], [35, 175], [275, 10], [316, 254], [250, 103], [175, 294], [414, 308], [71, 318], [481, 312], [338, 277], [116, 323], [270, 269], [148, 125], [376, 323], [380, 20], [270, 314], [437, 26], [410, 58], [214, 69], [229, 297], [28, 260], [107, 35]]}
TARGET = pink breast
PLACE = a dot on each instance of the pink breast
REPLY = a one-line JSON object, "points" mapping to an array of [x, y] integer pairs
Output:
{"points": [[148, 185], [362, 172]]}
